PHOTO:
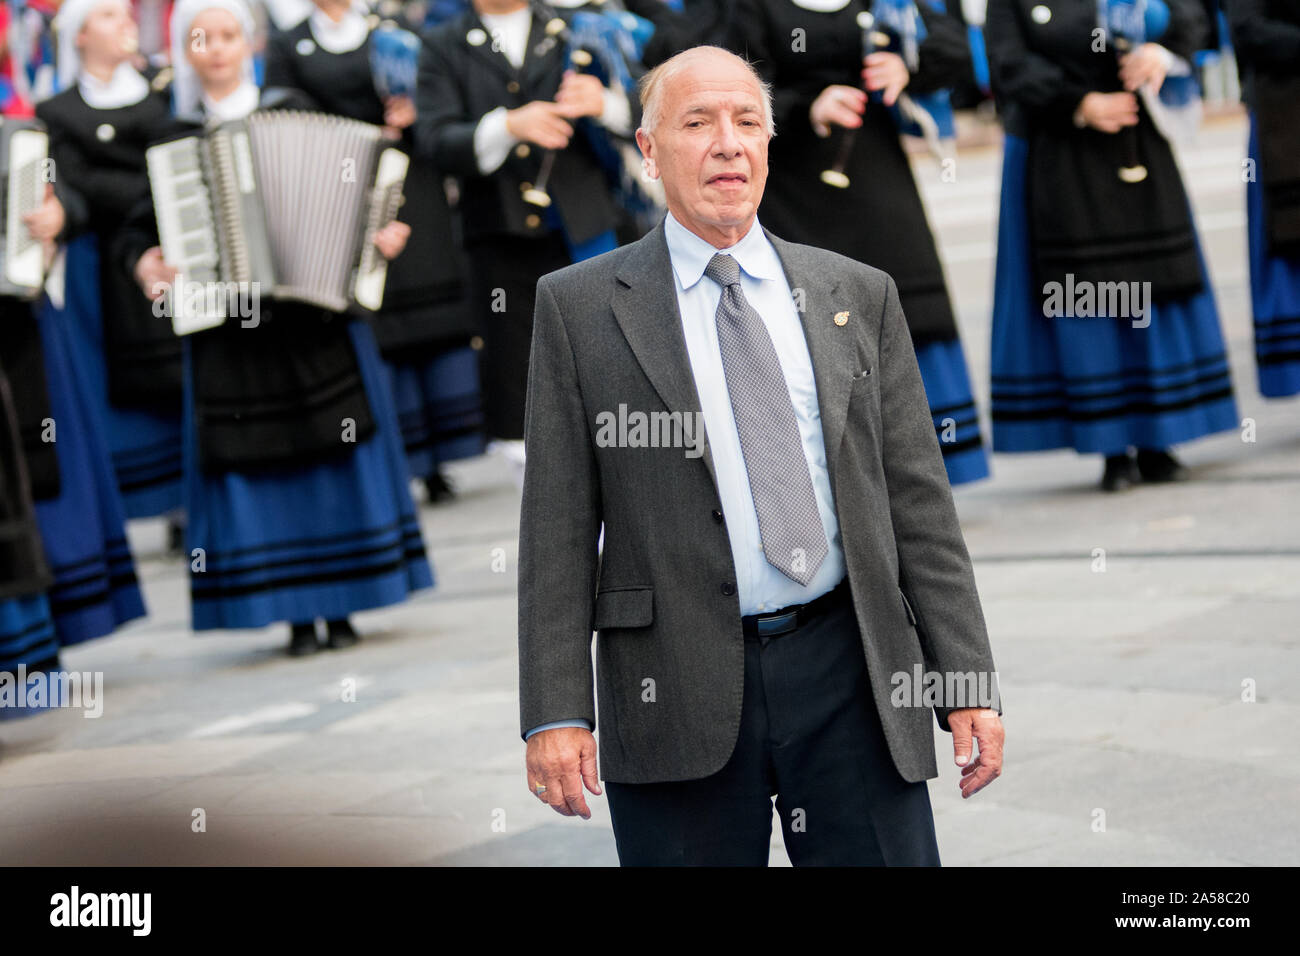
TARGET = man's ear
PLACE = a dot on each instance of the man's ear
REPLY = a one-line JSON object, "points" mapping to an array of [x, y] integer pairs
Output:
{"points": [[648, 164]]}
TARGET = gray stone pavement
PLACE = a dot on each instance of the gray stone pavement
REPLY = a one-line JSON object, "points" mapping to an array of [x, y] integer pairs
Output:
{"points": [[1122, 687]]}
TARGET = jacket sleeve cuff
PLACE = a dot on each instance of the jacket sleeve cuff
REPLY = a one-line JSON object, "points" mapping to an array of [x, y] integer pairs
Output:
{"points": [[492, 141], [576, 722]]}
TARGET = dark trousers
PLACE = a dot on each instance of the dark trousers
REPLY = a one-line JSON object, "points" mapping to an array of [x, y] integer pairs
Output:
{"points": [[810, 735]]}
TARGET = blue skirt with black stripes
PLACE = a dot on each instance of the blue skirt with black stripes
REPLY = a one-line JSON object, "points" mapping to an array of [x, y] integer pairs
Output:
{"points": [[1097, 385], [27, 634], [439, 408], [145, 443], [83, 527], [27, 640], [952, 406], [293, 544], [1275, 296]]}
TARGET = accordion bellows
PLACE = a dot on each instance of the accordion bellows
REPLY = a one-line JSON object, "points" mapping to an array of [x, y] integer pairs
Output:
{"points": [[285, 199]]}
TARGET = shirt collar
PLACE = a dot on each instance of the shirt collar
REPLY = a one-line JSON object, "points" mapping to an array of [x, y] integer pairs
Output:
{"points": [[344, 36], [690, 255], [237, 104], [125, 87]]}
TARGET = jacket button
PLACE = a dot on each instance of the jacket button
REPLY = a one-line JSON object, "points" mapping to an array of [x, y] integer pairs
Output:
{"points": [[512, 87], [717, 515], [532, 221], [728, 588], [522, 151]]}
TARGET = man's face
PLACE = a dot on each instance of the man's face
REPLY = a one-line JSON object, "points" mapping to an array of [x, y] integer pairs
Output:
{"points": [[710, 147]]}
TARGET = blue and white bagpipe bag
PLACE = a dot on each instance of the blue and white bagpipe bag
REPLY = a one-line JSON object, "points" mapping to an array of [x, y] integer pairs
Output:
{"points": [[616, 40], [1176, 109], [926, 115], [394, 59]]}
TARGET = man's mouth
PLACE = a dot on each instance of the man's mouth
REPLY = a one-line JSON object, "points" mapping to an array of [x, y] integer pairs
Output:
{"points": [[722, 179]]}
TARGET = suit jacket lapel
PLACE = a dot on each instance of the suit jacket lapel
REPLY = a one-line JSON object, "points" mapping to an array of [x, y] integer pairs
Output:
{"points": [[645, 306], [831, 347]]}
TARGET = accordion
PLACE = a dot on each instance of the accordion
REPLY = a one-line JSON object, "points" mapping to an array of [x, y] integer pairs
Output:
{"points": [[25, 169], [283, 199]]}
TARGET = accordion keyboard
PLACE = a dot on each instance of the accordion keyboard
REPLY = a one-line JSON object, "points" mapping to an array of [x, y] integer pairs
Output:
{"points": [[185, 224]]}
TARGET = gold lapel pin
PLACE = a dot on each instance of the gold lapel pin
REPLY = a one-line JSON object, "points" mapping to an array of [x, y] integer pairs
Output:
{"points": [[841, 318]]}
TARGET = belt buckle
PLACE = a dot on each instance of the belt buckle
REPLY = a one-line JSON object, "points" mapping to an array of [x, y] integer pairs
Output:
{"points": [[780, 624]]}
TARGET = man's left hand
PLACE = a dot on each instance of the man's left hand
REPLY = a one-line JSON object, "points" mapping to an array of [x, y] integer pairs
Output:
{"points": [[986, 727]]}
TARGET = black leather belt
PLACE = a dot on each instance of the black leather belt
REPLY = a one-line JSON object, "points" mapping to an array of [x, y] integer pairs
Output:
{"points": [[762, 626]]}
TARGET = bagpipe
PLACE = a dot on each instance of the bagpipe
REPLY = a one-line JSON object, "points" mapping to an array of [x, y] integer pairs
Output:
{"points": [[896, 26], [394, 53], [606, 43], [1176, 109]]}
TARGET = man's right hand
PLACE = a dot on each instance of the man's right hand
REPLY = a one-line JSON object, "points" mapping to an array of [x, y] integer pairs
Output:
{"points": [[837, 105], [541, 122], [562, 760], [1109, 112]]}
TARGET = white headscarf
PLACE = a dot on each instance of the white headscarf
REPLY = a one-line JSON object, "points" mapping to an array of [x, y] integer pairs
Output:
{"points": [[186, 89], [67, 24]]}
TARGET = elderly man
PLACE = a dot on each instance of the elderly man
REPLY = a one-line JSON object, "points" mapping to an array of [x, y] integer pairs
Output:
{"points": [[769, 596]]}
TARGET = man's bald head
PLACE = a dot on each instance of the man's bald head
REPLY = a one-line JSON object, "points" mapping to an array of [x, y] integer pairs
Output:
{"points": [[655, 84], [707, 121]]}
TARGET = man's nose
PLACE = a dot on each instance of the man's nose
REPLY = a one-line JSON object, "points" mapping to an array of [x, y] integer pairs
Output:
{"points": [[728, 140]]}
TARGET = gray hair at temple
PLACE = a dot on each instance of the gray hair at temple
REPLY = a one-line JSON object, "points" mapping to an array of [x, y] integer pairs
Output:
{"points": [[653, 84]]}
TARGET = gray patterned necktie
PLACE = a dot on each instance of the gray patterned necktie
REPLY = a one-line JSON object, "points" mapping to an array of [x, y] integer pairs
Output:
{"points": [[794, 539]]}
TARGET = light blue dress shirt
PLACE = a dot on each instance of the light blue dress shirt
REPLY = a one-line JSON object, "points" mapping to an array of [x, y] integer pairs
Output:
{"points": [[761, 587]]}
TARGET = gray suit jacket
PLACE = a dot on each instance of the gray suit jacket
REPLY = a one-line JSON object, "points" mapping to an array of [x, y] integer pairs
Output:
{"points": [[661, 596]]}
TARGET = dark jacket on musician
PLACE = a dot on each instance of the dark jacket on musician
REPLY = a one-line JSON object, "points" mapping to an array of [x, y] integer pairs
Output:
{"points": [[101, 153], [460, 82], [879, 219], [1089, 221]]}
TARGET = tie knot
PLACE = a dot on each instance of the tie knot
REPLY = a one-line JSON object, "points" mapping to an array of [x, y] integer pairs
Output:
{"points": [[723, 270]]}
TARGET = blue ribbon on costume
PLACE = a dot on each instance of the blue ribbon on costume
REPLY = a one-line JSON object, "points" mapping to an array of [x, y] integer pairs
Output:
{"points": [[1140, 21], [394, 60], [901, 20], [440, 11], [615, 39]]}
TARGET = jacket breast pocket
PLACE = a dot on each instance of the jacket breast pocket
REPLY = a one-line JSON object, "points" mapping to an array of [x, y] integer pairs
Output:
{"points": [[624, 607], [907, 606]]}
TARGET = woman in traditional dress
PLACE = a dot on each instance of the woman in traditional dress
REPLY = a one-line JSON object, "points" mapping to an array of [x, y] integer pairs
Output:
{"points": [[811, 51], [1093, 208], [426, 328], [1266, 37], [99, 126], [78, 506], [291, 517]]}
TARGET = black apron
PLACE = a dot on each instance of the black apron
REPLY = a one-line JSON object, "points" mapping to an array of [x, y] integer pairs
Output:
{"points": [[279, 394], [1087, 221]]}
